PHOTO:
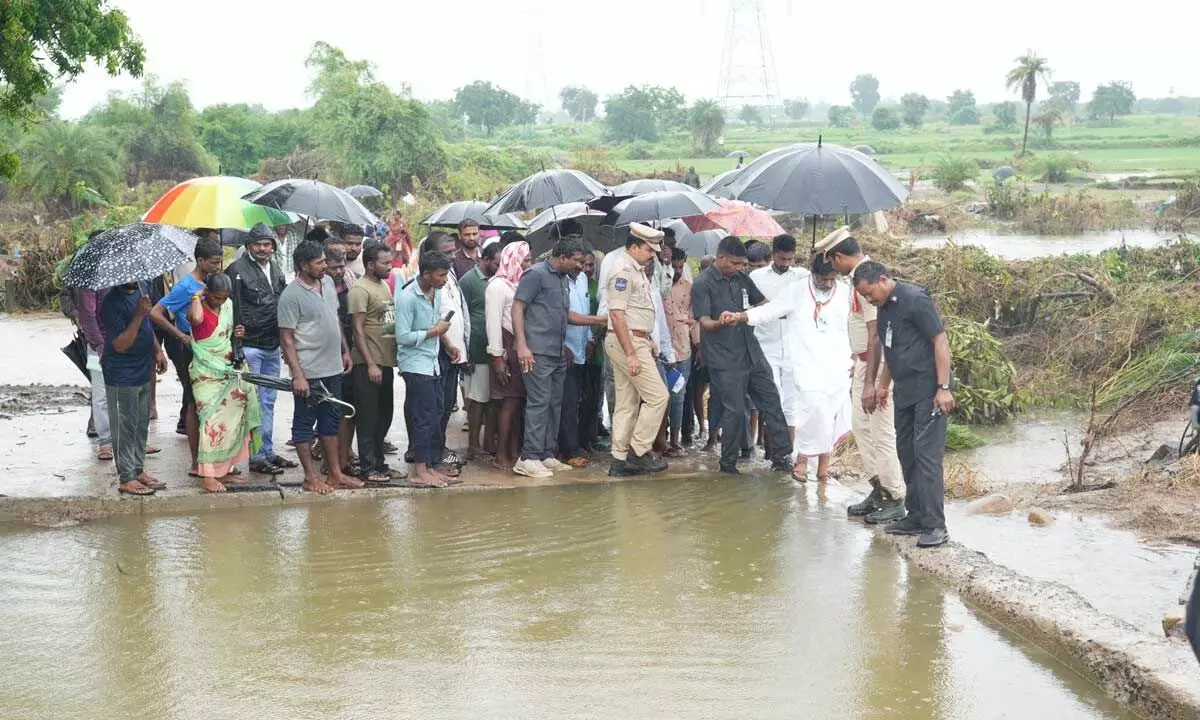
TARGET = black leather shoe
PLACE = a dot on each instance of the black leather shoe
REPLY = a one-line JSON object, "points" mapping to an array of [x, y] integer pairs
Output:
{"points": [[646, 463], [620, 468], [869, 504], [730, 470], [889, 511], [933, 538], [783, 465], [908, 526]]}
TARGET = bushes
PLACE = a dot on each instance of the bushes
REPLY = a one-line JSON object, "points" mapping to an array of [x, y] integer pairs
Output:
{"points": [[987, 392], [952, 173], [639, 151]]}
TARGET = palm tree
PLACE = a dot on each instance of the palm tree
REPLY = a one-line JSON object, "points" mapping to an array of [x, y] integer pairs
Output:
{"points": [[1030, 68], [68, 164], [707, 122]]}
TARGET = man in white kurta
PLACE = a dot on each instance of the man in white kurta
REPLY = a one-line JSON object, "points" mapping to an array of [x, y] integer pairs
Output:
{"points": [[815, 313], [772, 280]]}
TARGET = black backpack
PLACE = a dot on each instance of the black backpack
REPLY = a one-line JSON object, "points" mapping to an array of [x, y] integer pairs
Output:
{"points": [[68, 302]]}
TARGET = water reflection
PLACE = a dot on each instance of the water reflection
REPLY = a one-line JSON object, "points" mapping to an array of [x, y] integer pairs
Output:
{"points": [[701, 598]]}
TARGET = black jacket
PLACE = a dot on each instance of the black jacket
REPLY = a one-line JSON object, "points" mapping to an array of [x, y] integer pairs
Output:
{"points": [[256, 301]]}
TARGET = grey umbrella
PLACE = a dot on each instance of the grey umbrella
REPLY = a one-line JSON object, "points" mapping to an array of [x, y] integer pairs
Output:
{"points": [[818, 179], [317, 200], [738, 154], [363, 191], [718, 185], [130, 253], [507, 221], [1003, 173], [695, 244], [661, 205], [451, 214], [546, 188], [645, 185], [595, 232], [865, 149]]}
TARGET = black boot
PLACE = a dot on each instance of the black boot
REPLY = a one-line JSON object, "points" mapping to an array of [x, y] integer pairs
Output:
{"points": [[933, 538], [871, 502], [620, 468], [646, 463], [908, 526], [889, 511]]}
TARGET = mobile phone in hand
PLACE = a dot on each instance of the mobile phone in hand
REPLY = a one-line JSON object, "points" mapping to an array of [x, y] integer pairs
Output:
{"points": [[448, 316]]}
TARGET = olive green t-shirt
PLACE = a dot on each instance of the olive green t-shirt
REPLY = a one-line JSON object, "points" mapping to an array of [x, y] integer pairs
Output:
{"points": [[374, 300]]}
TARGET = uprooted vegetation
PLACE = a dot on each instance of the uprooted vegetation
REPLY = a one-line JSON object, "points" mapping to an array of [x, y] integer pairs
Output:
{"points": [[1122, 320]]}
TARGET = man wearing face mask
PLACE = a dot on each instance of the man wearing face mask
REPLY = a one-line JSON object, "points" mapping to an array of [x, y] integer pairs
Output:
{"points": [[258, 282]]}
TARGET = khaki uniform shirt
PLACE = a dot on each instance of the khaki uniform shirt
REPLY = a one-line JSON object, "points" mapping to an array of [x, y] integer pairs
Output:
{"points": [[861, 313], [629, 290]]}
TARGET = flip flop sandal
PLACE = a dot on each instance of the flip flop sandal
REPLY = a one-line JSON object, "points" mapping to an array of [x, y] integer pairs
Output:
{"points": [[450, 472], [156, 485], [800, 478], [578, 462], [143, 492], [153, 450], [375, 479], [390, 449], [105, 454], [264, 467], [281, 462]]}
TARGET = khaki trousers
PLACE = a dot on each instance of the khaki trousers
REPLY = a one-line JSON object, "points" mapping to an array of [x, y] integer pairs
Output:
{"points": [[641, 400], [875, 435]]}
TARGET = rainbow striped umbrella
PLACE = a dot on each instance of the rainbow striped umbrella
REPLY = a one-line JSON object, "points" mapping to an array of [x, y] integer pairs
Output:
{"points": [[214, 202]]}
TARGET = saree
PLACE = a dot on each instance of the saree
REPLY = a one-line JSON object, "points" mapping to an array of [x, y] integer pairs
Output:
{"points": [[227, 405]]}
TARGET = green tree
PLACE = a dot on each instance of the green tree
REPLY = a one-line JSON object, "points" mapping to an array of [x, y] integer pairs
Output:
{"points": [[1111, 100], [1024, 78], [1048, 118], [961, 108], [379, 137], [707, 121], [579, 102], [913, 107], [241, 136], [796, 109], [841, 116], [68, 165], [41, 42], [1006, 114], [885, 118], [1064, 96], [864, 93], [750, 115], [641, 113], [157, 129], [489, 107]]}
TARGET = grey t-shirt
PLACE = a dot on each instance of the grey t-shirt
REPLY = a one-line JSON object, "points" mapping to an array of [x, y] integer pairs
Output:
{"points": [[546, 296], [313, 317]]}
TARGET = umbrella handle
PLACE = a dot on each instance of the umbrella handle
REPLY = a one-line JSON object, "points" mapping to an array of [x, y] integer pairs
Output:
{"points": [[239, 357]]}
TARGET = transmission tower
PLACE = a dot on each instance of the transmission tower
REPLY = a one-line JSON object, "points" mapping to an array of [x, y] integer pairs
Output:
{"points": [[747, 61]]}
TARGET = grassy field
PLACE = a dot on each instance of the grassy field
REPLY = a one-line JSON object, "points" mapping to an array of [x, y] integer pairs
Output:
{"points": [[1148, 143]]}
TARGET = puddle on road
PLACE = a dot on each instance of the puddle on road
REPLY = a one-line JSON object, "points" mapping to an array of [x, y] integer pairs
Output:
{"points": [[709, 598]]}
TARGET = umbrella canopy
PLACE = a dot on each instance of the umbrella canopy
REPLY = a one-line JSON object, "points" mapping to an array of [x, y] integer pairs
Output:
{"points": [[451, 214], [545, 189], [1003, 173], [718, 185], [645, 185], [818, 179], [213, 202], [865, 149], [363, 191], [661, 205], [595, 232], [695, 244], [507, 221], [318, 200], [738, 154], [737, 218], [130, 253]]}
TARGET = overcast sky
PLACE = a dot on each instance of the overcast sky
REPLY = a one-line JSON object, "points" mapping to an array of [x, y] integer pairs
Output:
{"points": [[230, 51]]}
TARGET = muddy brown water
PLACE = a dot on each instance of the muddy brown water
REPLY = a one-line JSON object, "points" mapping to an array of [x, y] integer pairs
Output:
{"points": [[696, 598], [1026, 247]]}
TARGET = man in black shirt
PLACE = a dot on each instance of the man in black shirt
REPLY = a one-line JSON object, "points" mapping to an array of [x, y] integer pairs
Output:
{"points": [[735, 361], [917, 355]]}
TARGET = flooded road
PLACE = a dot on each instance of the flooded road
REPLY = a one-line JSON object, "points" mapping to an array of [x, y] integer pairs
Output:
{"points": [[703, 598], [1026, 247]]}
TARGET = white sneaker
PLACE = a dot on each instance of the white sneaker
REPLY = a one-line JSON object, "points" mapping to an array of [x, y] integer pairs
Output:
{"points": [[531, 468], [554, 465]]}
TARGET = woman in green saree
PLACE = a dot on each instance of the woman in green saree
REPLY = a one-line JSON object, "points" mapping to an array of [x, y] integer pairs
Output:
{"points": [[227, 405]]}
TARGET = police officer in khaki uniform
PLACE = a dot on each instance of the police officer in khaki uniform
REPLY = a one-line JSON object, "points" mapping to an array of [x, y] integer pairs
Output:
{"points": [[874, 429], [641, 397]]}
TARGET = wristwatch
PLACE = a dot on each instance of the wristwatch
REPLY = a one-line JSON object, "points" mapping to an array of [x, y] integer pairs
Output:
{"points": [[945, 386]]}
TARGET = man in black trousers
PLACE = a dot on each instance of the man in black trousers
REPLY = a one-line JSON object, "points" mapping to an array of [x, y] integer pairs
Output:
{"points": [[917, 354], [737, 366]]}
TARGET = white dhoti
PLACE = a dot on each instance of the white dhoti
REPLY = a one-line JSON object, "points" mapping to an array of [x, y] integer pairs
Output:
{"points": [[822, 420]]}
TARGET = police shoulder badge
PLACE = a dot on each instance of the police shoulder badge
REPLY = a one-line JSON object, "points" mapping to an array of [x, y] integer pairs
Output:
{"points": [[620, 283]]}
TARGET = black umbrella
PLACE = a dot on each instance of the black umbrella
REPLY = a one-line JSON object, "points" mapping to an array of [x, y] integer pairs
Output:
{"points": [[317, 390], [318, 200], [363, 191], [718, 185], [645, 185], [546, 188], [507, 221], [130, 253], [595, 232], [661, 205], [451, 214], [818, 179]]}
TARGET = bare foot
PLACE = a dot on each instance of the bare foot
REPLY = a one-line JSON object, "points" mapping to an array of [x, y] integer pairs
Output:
{"points": [[232, 479], [151, 482], [317, 485], [347, 483], [504, 464], [212, 485], [428, 479]]}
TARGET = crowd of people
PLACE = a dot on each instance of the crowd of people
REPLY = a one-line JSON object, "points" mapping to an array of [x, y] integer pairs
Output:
{"points": [[763, 347]]}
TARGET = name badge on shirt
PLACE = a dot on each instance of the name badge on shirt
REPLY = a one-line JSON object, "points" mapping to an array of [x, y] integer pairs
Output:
{"points": [[887, 335], [745, 299]]}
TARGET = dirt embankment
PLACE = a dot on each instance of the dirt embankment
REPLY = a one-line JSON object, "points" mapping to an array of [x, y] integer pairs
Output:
{"points": [[16, 400]]}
